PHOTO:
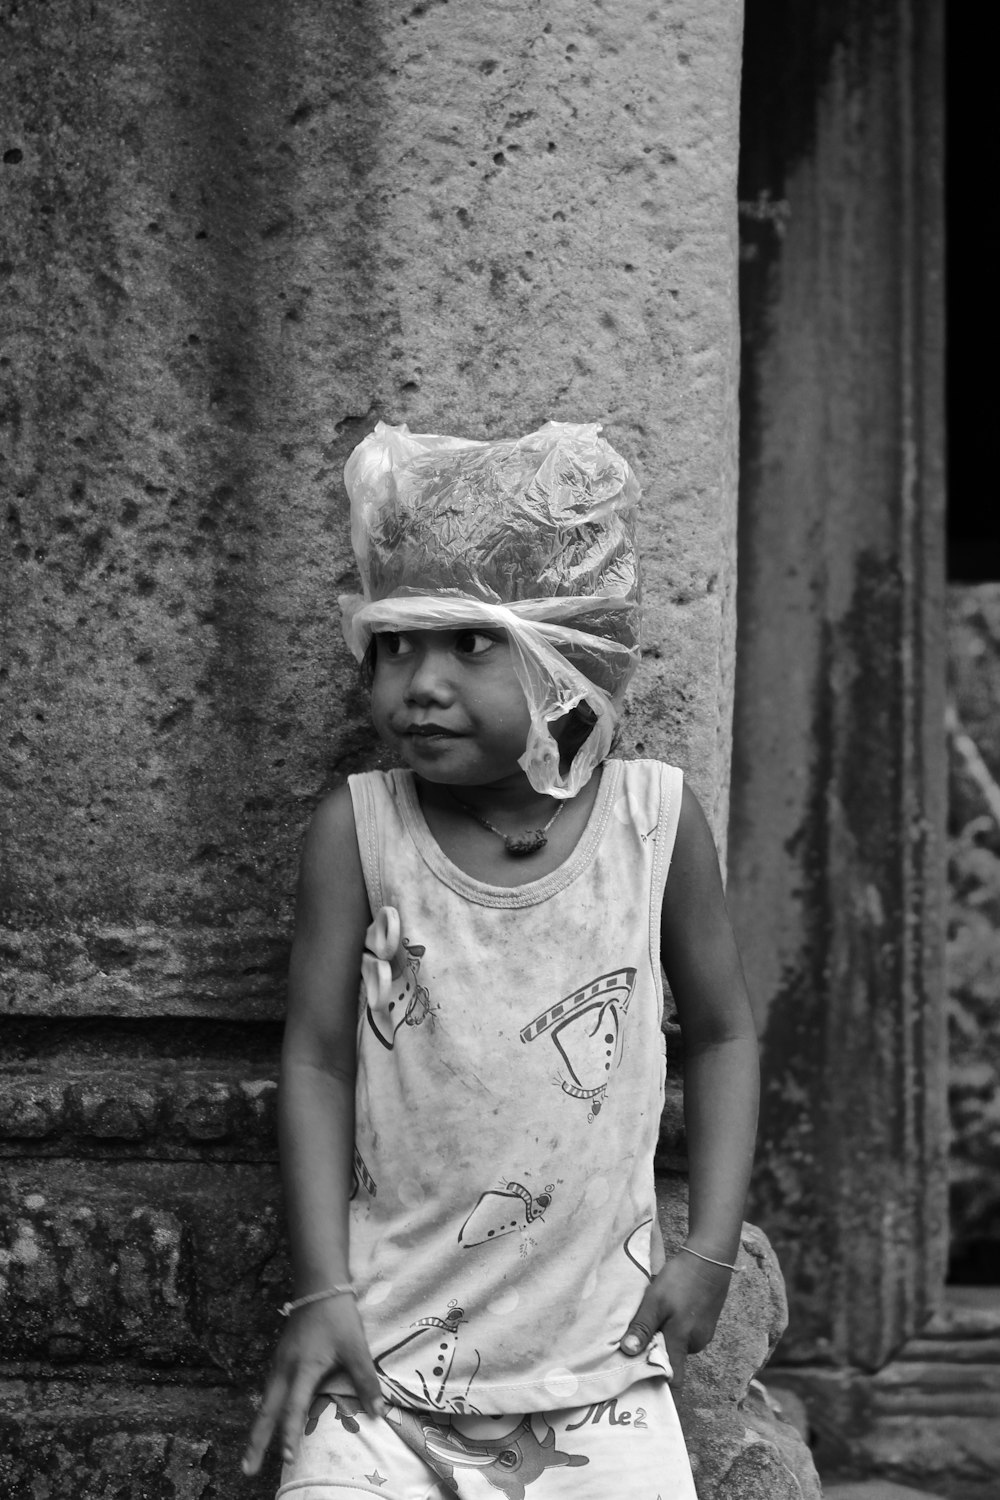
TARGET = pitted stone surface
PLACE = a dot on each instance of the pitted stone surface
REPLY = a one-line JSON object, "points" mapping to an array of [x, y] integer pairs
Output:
{"points": [[930, 1418], [160, 1265], [89, 968], [236, 235], [167, 1112], [262, 228], [88, 1440]]}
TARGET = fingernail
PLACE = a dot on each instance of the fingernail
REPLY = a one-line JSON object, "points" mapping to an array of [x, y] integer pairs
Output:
{"points": [[245, 1465], [380, 1408], [630, 1344]]}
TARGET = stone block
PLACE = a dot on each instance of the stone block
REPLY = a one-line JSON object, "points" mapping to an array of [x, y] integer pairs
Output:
{"points": [[32, 1109], [90, 1440], [741, 1446], [174, 1112], [65, 971], [125, 1112], [929, 1422], [175, 1266]]}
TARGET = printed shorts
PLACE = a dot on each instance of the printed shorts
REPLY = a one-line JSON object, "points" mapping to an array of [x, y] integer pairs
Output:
{"points": [[628, 1448]]}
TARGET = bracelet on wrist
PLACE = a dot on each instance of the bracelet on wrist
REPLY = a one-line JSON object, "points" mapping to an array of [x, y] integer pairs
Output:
{"points": [[346, 1289], [712, 1261]]}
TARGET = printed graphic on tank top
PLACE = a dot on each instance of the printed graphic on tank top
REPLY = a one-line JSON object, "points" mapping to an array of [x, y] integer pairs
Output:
{"points": [[510, 1084]]}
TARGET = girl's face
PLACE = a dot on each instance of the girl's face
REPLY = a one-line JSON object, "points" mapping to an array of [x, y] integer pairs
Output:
{"points": [[450, 705]]}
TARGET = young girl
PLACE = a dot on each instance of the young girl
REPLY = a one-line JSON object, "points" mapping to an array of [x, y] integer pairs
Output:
{"points": [[482, 1301]]}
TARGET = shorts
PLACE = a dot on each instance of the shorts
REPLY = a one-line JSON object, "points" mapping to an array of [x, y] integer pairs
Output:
{"points": [[628, 1448]]}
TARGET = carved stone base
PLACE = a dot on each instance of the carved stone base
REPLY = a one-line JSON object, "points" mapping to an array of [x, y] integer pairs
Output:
{"points": [[930, 1417], [741, 1445]]}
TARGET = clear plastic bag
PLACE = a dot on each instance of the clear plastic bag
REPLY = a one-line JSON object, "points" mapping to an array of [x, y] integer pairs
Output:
{"points": [[535, 535]]}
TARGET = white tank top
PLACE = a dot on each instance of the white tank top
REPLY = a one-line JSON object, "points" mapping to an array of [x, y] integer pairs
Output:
{"points": [[509, 1091]]}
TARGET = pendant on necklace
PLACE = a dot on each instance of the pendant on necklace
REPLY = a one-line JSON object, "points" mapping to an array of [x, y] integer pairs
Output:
{"points": [[516, 844], [528, 842]]}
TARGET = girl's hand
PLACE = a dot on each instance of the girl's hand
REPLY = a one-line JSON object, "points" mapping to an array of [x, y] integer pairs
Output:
{"points": [[684, 1301], [319, 1338]]}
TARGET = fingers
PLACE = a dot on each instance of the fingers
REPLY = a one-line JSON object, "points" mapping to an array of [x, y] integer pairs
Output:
{"points": [[648, 1317], [370, 1396], [321, 1339], [263, 1427], [640, 1331], [655, 1312], [358, 1363], [289, 1401], [677, 1353], [636, 1338], [299, 1401]]}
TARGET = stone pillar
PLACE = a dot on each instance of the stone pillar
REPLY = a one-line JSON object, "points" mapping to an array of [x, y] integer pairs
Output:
{"points": [[236, 235], [837, 829]]}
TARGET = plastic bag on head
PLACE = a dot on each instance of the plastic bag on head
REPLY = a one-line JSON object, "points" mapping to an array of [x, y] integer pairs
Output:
{"points": [[535, 535]]}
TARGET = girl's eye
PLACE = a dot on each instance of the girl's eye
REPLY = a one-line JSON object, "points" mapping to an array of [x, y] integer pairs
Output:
{"points": [[473, 642], [393, 643]]}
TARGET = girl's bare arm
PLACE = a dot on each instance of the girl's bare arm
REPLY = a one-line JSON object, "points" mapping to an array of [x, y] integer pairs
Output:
{"points": [[316, 1129], [720, 1092]]}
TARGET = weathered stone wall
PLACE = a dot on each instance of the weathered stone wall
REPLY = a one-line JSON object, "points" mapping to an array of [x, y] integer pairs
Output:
{"points": [[837, 835], [238, 234], [235, 235]]}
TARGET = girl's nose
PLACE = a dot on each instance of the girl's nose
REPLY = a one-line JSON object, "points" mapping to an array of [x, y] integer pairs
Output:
{"points": [[429, 681]]}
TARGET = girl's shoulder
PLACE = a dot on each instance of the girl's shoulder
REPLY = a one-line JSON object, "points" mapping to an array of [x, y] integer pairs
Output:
{"points": [[652, 782], [695, 853], [391, 783], [645, 765], [364, 799], [381, 796], [330, 872], [332, 823]]}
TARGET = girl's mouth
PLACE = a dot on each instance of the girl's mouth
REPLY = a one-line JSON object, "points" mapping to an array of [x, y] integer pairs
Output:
{"points": [[430, 731]]}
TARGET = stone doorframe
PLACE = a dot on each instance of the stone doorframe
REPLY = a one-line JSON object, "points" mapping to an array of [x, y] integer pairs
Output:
{"points": [[237, 234], [836, 836]]}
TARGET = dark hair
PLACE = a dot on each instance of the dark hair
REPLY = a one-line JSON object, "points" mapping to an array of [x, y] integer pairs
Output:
{"points": [[366, 666], [578, 725]]}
